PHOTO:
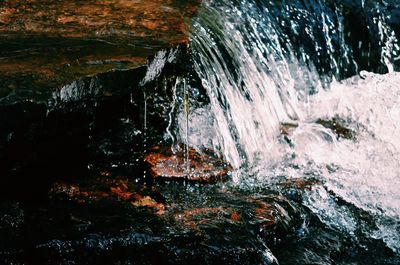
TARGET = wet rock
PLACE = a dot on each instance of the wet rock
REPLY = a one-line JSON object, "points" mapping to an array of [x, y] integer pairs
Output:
{"points": [[277, 217], [47, 45], [108, 189], [47, 64], [73, 192], [287, 128], [395, 16], [154, 18], [38, 144], [149, 202], [300, 183], [120, 220], [338, 126], [11, 215], [295, 188], [52, 139], [204, 166], [197, 223], [94, 123], [64, 189]]}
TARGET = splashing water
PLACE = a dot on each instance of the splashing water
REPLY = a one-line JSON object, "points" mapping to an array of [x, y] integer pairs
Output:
{"points": [[365, 171], [268, 65], [260, 65]]}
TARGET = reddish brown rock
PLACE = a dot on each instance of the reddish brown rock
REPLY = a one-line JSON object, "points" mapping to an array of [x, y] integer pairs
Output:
{"points": [[48, 44], [203, 167], [116, 189], [178, 213], [121, 193], [193, 219], [267, 214], [300, 184], [235, 216], [149, 202], [159, 19], [275, 214]]}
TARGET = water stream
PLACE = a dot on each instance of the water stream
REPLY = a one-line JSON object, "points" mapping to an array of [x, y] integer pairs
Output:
{"points": [[276, 72]]}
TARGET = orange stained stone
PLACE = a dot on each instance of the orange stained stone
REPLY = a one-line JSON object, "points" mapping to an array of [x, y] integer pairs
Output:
{"points": [[162, 19], [56, 42], [149, 202], [235, 217], [124, 195], [203, 166]]}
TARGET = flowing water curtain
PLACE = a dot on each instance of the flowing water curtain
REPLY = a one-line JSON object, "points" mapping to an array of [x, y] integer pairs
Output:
{"points": [[242, 64], [261, 60], [315, 29], [388, 41], [340, 37]]}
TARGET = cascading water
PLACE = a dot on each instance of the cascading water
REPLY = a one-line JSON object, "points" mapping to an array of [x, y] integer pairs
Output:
{"points": [[268, 66], [251, 89], [261, 61]]}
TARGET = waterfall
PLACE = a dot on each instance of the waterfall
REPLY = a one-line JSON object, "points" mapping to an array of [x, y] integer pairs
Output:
{"points": [[261, 60], [251, 88], [268, 65]]}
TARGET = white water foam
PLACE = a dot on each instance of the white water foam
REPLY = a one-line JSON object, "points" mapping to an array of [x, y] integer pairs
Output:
{"points": [[363, 171], [367, 170]]}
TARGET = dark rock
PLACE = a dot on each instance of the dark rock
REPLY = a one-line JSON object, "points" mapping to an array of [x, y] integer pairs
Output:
{"points": [[120, 221], [95, 123], [300, 183], [117, 220], [287, 128], [33, 68], [40, 146], [11, 215], [337, 125]]}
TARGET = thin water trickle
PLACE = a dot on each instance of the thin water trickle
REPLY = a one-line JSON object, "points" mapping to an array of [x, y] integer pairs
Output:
{"points": [[145, 148], [171, 116], [186, 109]]}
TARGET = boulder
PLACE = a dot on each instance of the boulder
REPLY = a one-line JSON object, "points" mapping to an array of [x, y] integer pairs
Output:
{"points": [[93, 123], [118, 220], [45, 45]]}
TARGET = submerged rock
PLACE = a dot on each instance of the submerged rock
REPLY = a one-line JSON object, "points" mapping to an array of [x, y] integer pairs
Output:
{"points": [[287, 128], [204, 166], [117, 220], [338, 126]]}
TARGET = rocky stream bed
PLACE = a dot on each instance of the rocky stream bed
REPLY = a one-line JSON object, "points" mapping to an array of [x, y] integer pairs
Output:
{"points": [[90, 170]]}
